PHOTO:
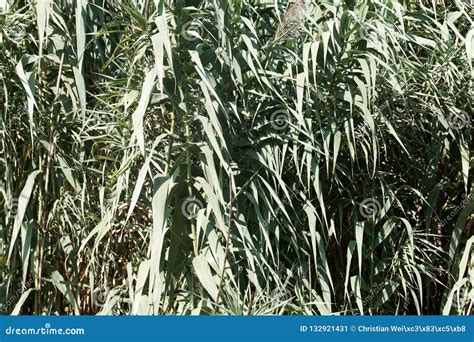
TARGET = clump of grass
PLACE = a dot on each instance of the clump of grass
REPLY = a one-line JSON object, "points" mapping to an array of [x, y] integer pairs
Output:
{"points": [[162, 159]]}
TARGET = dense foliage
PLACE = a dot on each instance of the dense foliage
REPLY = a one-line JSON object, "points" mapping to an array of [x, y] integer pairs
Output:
{"points": [[236, 157]]}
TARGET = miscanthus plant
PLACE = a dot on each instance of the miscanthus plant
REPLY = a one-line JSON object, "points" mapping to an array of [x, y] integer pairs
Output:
{"points": [[236, 157]]}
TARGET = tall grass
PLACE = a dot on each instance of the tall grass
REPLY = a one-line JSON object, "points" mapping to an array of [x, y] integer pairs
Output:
{"points": [[180, 157]]}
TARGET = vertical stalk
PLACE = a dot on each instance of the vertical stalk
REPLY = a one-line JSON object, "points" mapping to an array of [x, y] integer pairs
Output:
{"points": [[188, 181], [227, 243], [170, 147]]}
